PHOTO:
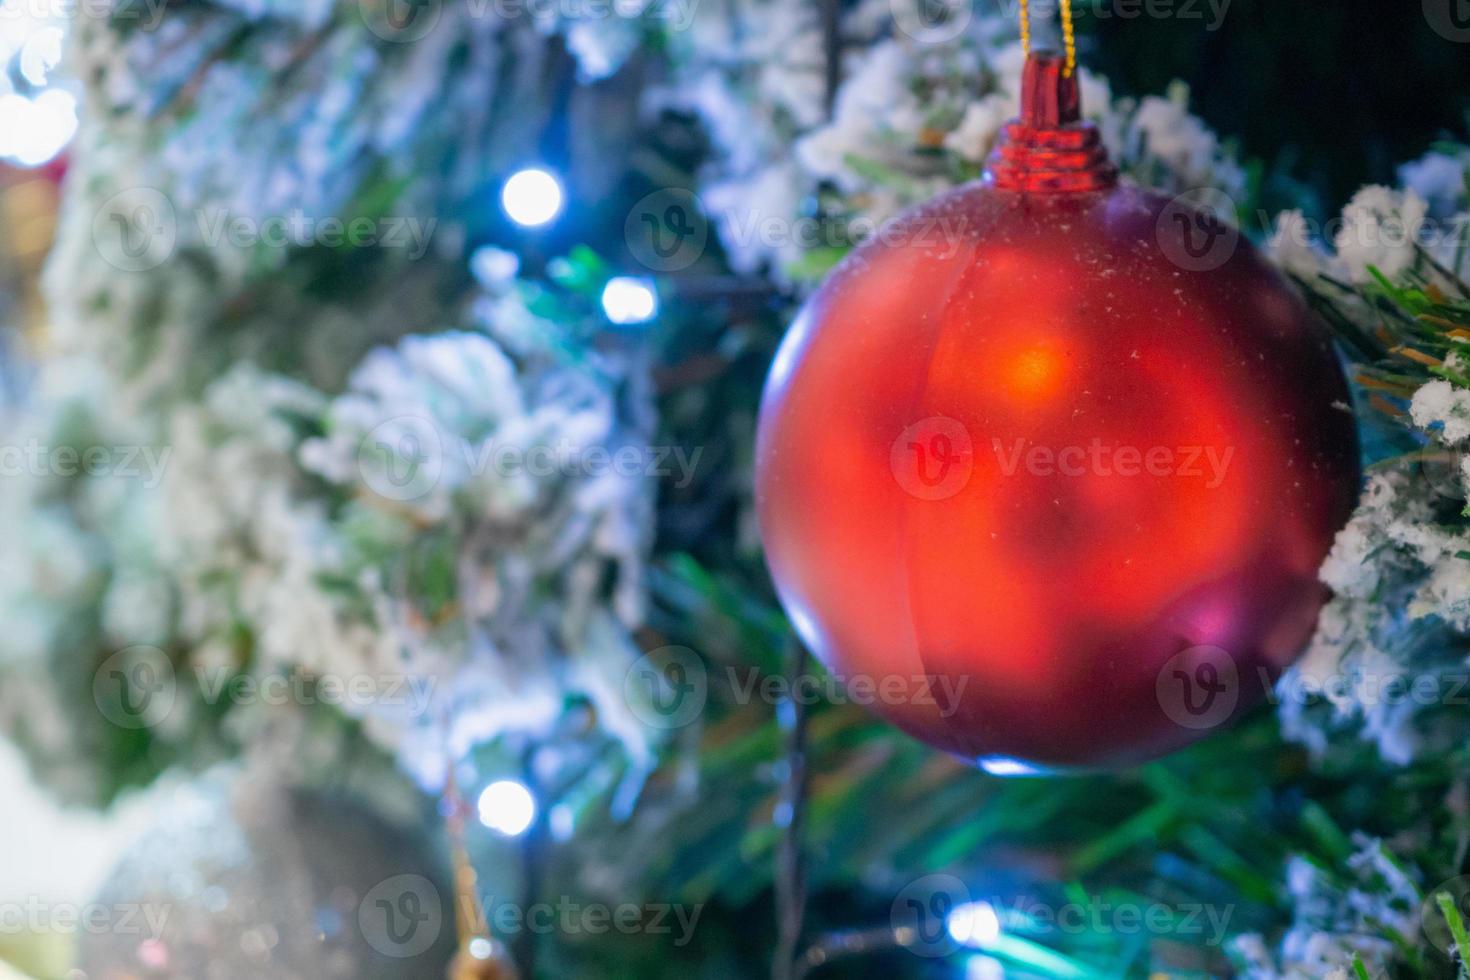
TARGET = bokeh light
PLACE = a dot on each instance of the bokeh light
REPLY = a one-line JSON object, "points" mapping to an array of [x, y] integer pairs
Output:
{"points": [[507, 807], [532, 197], [629, 300]]}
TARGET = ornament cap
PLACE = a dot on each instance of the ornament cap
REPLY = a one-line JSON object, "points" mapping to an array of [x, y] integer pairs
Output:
{"points": [[1049, 148]]}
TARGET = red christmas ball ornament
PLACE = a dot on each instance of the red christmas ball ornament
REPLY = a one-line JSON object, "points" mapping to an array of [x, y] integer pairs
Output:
{"points": [[1045, 471]]}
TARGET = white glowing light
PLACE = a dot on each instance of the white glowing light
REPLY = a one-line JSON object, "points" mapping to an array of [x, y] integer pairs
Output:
{"points": [[507, 808], [974, 924], [628, 300], [532, 197], [14, 110], [493, 265], [40, 54], [984, 968], [36, 122], [1009, 767], [563, 822], [33, 131]]}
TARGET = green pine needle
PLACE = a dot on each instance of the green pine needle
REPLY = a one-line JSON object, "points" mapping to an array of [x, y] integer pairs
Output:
{"points": [[1452, 918]]}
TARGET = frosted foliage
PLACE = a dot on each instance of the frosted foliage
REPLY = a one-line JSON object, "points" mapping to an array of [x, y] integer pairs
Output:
{"points": [[910, 119], [263, 540], [1397, 569]]}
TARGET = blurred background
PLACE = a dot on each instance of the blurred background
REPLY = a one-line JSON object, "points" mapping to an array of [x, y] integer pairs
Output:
{"points": [[1317, 97]]}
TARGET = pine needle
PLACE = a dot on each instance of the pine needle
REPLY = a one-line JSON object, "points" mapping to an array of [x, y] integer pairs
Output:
{"points": [[1451, 913], [1418, 356], [1384, 405]]}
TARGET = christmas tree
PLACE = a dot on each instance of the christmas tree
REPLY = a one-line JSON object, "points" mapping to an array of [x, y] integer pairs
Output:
{"points": [[386, 496]]}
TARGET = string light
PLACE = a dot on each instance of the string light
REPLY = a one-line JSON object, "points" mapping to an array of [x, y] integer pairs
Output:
{"points": [[629, 300], [532, 197], [507, 807], [38, 115], [984, 968], [1009, 767], [974, 924]]}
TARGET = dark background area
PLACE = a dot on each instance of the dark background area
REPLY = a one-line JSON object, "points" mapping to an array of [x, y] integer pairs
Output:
{"points": [[1327, 94]]}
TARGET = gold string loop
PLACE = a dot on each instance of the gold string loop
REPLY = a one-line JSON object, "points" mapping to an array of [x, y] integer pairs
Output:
{"points": [[1069, 33], [1069, 37], [1026, 27]]}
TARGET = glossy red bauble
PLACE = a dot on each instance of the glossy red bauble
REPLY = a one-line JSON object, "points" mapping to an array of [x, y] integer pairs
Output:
{"points": [[1045, 471]]}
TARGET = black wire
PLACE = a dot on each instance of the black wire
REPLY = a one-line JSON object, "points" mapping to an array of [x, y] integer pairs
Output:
{"points": [[791, 882]]}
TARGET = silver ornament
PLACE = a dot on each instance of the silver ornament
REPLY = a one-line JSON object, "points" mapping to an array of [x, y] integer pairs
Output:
{"points": [[242, 879]]}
